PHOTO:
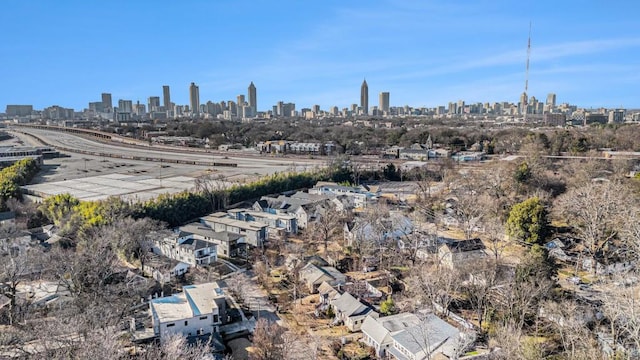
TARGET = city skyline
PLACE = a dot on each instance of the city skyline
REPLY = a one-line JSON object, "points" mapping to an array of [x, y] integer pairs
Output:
{"points": [[425, 53]]}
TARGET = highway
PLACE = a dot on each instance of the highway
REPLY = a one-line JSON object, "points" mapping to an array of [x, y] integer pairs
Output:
{"points": [[249, 163]]}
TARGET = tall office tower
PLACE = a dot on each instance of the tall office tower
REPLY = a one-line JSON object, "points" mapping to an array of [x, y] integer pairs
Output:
{"points": [[107, 103], [240, 100], [452, 108], [233, 108], [125, 106], [253, 100], [279, 108], [551, 100], [364, 97], [384, 102], [460, 107], [316, 109], [166, 97], [523, 104], [194, 98], [153, 103]]}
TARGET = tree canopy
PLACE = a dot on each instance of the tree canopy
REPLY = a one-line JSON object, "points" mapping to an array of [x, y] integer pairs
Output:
{"points": [[528, 221]]}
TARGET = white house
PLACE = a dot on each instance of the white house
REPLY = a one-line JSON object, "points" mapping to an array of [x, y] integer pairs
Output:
{"points": [[428, 338], [378, 332], [197, 310]]}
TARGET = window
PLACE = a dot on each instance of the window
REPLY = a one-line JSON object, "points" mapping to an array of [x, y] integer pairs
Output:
{"points": [[171, 324], [204, 317], [215, 318], [186, 323]]}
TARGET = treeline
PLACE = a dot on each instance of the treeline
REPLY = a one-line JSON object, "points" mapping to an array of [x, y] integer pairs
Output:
{"points": [[453, 133], [14, 176]]}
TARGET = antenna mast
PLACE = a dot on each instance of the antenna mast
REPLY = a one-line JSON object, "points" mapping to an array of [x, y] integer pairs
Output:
{"points": [[525, 104]]}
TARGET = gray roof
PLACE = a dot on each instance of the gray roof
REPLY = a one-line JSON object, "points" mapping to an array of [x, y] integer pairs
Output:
{"points": [[350, 306], [205, 231], [197, 244], [312, 273], [382, 329], [465, 245], [432, 335]]}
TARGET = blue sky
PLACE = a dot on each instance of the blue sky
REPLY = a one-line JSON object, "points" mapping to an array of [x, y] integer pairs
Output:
{"points": [[425, 53]]}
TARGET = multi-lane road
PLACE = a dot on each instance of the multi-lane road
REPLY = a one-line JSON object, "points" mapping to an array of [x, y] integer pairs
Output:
{"points": [[250, 163]]}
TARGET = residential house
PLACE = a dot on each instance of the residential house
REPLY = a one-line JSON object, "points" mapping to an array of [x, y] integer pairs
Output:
{"points": [[228, 244], [163, 269], [327, 294], [197, 310], [378, 332], [278, 223], [255, 233], [187, 248], [351, 311], [360, 194], [396, 227], [300, 204], [426, 340], [43, 293], [455, 254], [313, 276]]}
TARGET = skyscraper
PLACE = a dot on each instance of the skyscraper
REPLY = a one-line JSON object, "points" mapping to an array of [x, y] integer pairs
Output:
{"points": [[107, 103], [364, 97], [166, 97], [524, 103], [194, 98], [384, 102], [153, 103], [253, 100], [551, 100]]}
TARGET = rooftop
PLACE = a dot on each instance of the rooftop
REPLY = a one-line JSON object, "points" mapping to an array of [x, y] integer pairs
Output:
{"points": [[193, 301]]}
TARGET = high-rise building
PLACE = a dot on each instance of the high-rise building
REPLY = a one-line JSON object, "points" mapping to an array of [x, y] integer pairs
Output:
{"points": [[19, 110], [125, 106], [166, 97], [384, 102], [364, 97], [153, 103], [551, 100], [524, 103], [253, 100], [241, 100], [107, 102], [194, 98], [460, 107]]}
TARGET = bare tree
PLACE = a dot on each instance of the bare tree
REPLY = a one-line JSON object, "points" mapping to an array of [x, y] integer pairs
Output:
{"points": [[431, 285], [326, 224], [622, 308], [268, 341], [213, 187], [570, 322], [133, 237], [18, 262], [595, 210], [478, 288]]}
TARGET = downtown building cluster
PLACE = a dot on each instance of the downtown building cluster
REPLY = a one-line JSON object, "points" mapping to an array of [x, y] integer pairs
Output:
{"points": [[245, 107]]}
